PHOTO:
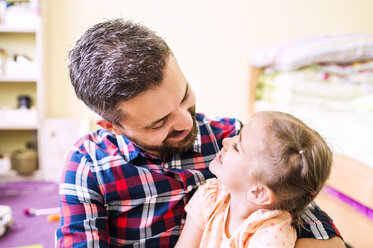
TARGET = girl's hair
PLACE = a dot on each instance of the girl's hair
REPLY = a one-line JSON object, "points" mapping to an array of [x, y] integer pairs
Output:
{"points": [[298, 163]]}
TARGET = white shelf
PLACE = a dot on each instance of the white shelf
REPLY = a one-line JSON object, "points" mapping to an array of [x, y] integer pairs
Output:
{"points": [[18, 119], [17, 79], [17, 126], [15, 29]]}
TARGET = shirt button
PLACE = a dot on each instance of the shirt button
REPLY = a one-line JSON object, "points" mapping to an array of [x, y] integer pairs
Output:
{"points": [[189, 188]]}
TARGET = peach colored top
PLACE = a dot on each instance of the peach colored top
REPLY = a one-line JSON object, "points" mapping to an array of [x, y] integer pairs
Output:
{"points": [[264, 228]]}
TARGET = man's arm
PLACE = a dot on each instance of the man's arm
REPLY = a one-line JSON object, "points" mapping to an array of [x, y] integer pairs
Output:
{"points": [[83, 215], [191, 235], [318, 230], [335, 242]]}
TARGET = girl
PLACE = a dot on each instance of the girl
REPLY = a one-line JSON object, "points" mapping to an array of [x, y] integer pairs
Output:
{"points": [[266, 176]]}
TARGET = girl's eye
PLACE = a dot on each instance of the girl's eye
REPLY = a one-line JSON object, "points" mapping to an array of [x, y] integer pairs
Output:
{"points": [[234, 146]]}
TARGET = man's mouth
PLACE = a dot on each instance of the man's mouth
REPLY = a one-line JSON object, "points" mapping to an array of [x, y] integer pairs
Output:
{"points": [[179, 135]]}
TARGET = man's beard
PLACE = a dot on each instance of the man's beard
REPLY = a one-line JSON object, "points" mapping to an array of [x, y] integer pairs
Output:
{"points": [[167, 148]]}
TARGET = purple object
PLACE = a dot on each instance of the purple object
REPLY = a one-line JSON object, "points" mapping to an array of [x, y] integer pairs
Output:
{"points": [[368, 212], [29, 230]]}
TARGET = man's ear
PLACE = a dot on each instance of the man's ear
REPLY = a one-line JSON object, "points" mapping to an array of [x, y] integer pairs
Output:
{"points": [[260, 195], [108, 126]]}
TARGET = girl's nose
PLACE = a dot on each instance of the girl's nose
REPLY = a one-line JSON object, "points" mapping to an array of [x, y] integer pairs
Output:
{"points": [[226, 143]]}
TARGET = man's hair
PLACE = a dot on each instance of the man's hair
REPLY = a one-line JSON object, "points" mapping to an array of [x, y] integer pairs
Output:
{"points": [[298, 163], [115, 61]]}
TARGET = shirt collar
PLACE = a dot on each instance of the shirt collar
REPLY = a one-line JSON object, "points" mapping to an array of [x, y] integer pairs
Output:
{"points": [[197, 146], [127, 148]]}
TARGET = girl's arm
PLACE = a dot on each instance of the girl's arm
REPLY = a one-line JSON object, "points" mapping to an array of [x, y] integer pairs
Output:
{"points": [[191, 235]]}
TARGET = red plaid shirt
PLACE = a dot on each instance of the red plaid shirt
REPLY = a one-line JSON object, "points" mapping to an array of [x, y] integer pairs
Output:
{"points": [[114, 194]]}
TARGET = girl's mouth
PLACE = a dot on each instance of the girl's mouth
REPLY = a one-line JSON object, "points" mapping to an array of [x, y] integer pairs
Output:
{"points": [[219, 158]]}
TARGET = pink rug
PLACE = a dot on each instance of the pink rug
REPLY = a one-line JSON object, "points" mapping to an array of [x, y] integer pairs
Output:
{"points": [[29, 230]]}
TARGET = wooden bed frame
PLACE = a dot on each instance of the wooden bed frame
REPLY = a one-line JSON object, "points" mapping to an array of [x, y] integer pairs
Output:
{"points": [[350, 177]]}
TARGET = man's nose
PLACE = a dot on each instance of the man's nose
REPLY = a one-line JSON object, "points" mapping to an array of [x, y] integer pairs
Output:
{"points": [[183, 120]]}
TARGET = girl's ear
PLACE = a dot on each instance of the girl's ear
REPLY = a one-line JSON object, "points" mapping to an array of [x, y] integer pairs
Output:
{"points": [[108, 126], [260, 194]]}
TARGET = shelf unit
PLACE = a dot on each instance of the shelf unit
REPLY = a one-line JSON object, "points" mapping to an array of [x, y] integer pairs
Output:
{"points": [[18, 126]]}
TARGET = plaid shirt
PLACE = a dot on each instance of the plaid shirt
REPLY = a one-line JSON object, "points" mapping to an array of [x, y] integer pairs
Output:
{"points": [[114, 194]]}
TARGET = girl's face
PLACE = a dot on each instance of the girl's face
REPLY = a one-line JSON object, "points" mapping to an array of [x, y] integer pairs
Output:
{"points": [[240, 157]]}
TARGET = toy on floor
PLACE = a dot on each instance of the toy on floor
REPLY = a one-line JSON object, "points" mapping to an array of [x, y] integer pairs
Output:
{"points": [[6, 219], [53, 213], [42, 211]]}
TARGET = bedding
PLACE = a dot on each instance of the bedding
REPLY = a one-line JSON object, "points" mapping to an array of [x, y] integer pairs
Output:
{"points": [[333, 104], [333, 48]]}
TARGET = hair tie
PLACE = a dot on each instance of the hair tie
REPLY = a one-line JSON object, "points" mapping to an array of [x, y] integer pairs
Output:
{"points": [[313, 194], [300, 152]]}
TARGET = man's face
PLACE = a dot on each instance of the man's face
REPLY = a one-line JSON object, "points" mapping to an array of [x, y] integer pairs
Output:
{"points": [[162, 120]]}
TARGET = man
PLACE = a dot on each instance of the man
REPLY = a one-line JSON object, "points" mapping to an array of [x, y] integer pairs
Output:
{"points": [[127, 184]]}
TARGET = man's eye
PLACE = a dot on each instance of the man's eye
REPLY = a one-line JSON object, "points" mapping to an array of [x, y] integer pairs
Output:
{"points": [[160, 125], [234, 146]]}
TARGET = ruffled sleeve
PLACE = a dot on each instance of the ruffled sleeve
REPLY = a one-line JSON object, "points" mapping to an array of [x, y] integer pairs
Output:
{"points": [[207, 199]]}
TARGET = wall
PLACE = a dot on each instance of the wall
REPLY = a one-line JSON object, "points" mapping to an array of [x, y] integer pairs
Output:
{"points": [[212, 40]]}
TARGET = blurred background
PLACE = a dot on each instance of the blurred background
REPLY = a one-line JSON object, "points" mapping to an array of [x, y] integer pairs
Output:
{"points": [[214, 42]]}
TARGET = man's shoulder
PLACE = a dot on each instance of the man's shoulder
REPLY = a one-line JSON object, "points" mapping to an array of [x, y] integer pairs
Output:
{"points": [[99, 142], [99, 137], [95, 153], [219, 125]]}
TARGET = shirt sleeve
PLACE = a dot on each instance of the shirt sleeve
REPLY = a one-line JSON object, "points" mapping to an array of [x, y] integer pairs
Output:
{"points": [[200, 206], [83, 216], [317, 224], [274, 233]]}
